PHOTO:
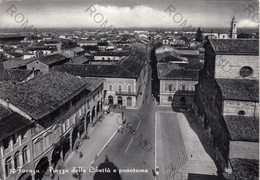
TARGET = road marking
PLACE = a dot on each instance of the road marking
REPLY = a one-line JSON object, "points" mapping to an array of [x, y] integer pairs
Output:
{"points": [[104, 146], [155, 142], [155, 138], [129, 144], [135, 131], [107, 142]]}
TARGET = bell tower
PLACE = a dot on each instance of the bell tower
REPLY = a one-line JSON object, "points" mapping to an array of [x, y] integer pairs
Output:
{"points": [[233, 34]]}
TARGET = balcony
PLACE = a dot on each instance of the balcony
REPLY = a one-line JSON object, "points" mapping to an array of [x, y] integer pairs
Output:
{"points": [[126, 93]]}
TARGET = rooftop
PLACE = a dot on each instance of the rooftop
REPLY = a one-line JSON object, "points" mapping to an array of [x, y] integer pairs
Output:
{"points": [[11, 122], [14, 63], [14, 75], [239, 89], [235, 46], [93, 70], [39, 96], [171, 57], [15, 54], [79, 60], [245, 168], [77, 49], [174, 72], [127, 68], [11, 36], [242, 128], [111, 53], [50, 59]]}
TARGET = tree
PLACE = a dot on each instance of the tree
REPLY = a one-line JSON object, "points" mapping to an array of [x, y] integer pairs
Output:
{"points": [[199, 36], [244, 35]]}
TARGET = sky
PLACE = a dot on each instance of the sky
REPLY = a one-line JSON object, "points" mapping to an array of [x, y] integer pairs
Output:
{"points": [[127, 13]]}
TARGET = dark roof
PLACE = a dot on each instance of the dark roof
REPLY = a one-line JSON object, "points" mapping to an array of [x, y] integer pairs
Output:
{"points": [[90, 48], [103, 43], [111, 53], [39, 96], [50, 59], [245, 168], [42, 47], [128, 68], [174, 72], [134, 63], [79, 60], [242, 128], [76, 49], [92, 70], [14, 75], [11, 122], [2, 36], [170, 57], [14, 63], [239, 89], [15, 54], [193, 176], [4, 112], [235, 46]]}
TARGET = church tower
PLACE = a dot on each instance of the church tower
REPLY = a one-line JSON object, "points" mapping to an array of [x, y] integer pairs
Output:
{"points": [[233, 34]]}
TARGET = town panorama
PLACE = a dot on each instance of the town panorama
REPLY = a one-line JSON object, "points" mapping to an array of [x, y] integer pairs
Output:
{"points": [[129, 90]]}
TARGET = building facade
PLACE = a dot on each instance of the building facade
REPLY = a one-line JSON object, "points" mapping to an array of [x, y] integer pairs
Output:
{"points": [[123, 82], [177, 85], [227, 99], [55, 122]]}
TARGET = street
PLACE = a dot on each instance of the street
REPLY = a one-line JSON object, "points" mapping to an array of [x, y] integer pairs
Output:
{"points": [[153, 135]]}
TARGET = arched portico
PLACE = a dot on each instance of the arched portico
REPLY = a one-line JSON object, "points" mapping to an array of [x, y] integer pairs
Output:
{"points": [[41, 168]]}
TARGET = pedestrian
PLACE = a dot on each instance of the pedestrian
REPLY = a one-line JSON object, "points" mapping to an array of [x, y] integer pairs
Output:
{"points": [[80, 154]]}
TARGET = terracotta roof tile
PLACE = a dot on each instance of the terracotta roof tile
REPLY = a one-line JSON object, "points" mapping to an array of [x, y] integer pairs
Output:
{"points": [[40, 95], [235, 46], [239, 89], [11, 122], [243, 128], [245, 168]]}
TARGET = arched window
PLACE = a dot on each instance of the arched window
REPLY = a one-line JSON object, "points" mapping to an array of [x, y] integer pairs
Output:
{"points": [[16, 160], [119, 87], [241, 113], [183, 87], [170, 87], [246, 71], [8, 166], [110, 87], [170, 98]]}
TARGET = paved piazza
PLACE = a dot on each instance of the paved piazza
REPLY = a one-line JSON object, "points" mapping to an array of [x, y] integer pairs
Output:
{"points": [[178, 148]]}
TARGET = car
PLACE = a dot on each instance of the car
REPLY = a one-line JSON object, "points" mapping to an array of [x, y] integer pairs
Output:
{"points": [[157, 170]]}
